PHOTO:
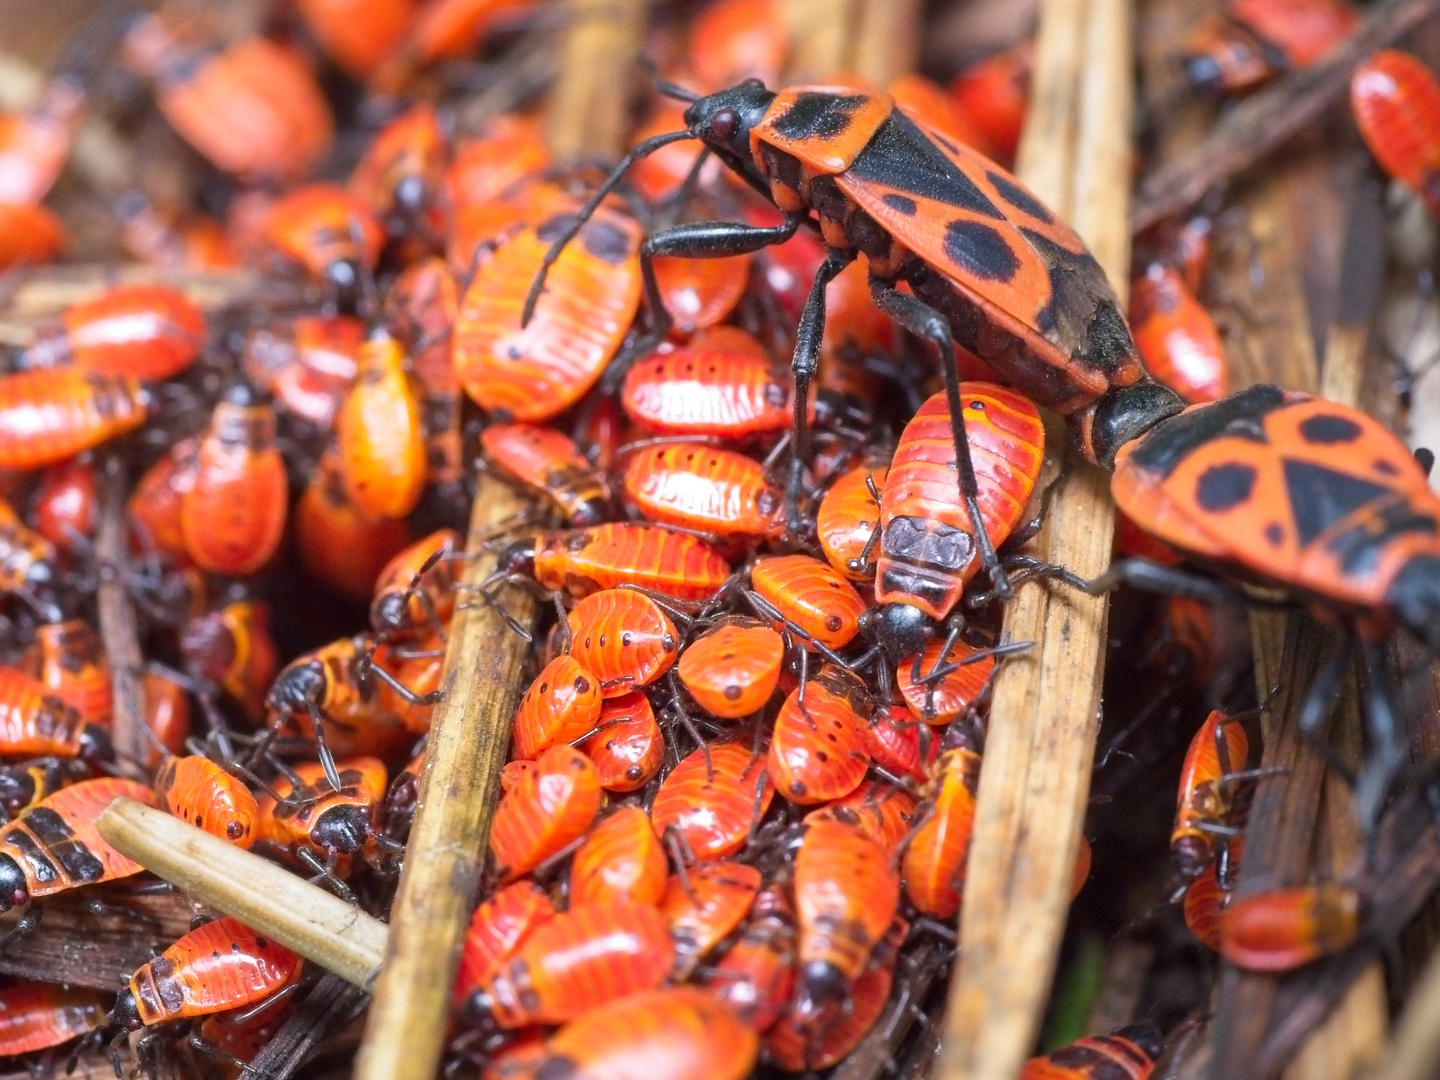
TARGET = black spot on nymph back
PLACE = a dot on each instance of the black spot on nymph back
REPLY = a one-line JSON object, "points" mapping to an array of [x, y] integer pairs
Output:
{"points": [[900, 203]]}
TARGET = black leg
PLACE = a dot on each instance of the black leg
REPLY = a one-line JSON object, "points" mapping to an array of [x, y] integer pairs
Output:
{"points": [[804, 365], [696, 240], [1319, 703], [924, 321], [1387, 752]]}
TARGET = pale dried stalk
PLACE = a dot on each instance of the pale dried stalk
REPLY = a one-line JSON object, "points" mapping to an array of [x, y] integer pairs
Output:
{"points": [[589, 105], [822, 34], [469, 742], [1044, 715], [887, 39], [303, 917]]}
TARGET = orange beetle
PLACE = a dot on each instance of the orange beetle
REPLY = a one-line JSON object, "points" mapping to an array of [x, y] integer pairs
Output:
{"points": [[234, 515], [145, 331], [315, 820], [498, 927], [53, 414], [29, 235], [679, 1032], [1207, 793], [1287, 928], [217, 967], [712, 799], [69, 659], [628, 746], [797, 1047], [330, 233], [35, 144], [154, 505], [415, 591], [1127, 1053], [846, 893], [700, 293], [847, 521], [196, 790], [584, 957], [35, 723], [933, 864], [732, 669], [648, 557], [552, 805], [938, 701], [547, 461], [704, 906], [485, 165], [900, 744], [731, 40], [817, 750], [66, 504], [1253, 40], [37, 1016], [232, 647], [441, 30], [723, 385], [593, 291], [402, 174], [359, 35], [306, 363], [994, 94], [253, 108], [1207, 897], [338, 545], [1176, 336], [561, 706], [810, 597], [382, 442], [1396, 102], [757, 974], [56, 846], [167, 715], [885, 812], [707, 489], [624, 638], [621, 859]]}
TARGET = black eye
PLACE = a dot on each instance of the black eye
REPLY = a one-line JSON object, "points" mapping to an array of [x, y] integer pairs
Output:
{"points": [[724, 123]]}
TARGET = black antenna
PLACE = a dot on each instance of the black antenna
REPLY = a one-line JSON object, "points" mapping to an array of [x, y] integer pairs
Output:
{"points": [[665, 86], [638, 151]]}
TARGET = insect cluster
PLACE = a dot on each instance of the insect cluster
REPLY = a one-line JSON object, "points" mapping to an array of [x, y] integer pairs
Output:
{"points": [[776, 393]]}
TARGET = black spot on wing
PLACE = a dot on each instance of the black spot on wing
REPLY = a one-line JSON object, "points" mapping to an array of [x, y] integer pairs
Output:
{"points": [[1019, 198], [1320, 498], [607, 242], [1224, 487], [980, 251], [818, 116], [900, 204], [1328, 429], [901, 156]]}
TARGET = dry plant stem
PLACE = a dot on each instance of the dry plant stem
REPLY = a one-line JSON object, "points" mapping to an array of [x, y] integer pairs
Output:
{"points": [[1258, 125], [1043, 719], [887, 39], [590, 106], [469, 742], [326, 1009], [1127, 966], [1416, 1046], [28, 296], [117, 622], [303, 917], [822, 34]]}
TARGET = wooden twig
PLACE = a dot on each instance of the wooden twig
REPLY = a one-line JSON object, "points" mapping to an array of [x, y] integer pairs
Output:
{"points": [[469, 742], [31, 295], [303, 917], [590, 104], [1043, 723], [1255, 127], [887, 39], [1416, 1046], [329, 1005], [118, 631]]}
